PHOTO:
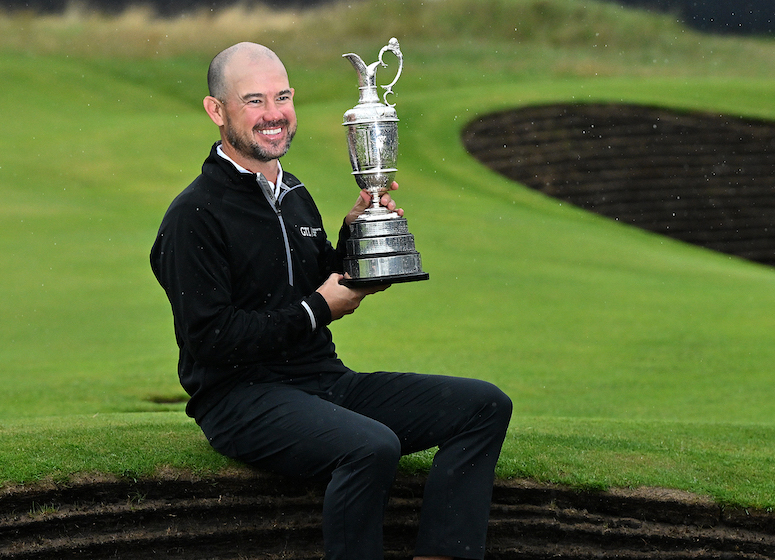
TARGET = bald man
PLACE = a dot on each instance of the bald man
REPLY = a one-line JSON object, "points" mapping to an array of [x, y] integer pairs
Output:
{"points": [[254, 283]]}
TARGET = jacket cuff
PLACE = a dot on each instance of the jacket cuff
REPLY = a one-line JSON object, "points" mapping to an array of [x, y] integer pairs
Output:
{"points": [[317, 309], [344, 235]]}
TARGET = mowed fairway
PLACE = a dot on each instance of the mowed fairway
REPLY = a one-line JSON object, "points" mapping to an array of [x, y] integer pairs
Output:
{"points": [[631, 359]]}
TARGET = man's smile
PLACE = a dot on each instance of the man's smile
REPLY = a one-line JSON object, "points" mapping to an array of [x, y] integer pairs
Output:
{"points": [[271, 128]]}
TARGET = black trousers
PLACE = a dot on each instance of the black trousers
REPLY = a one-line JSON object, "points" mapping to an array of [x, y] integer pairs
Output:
{"points": [[354, 428]]}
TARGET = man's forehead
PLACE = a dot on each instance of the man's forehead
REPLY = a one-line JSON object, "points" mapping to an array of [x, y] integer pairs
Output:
{"points": [[260, 86], [258, 76]]}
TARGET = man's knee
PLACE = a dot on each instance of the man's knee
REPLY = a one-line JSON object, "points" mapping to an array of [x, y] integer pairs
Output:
{"points": [[374, 457], [380, 446], [501, 402], [495, 404]]}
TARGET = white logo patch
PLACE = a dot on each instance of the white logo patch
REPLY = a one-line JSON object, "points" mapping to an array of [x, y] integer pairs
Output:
{"points": [[308, 231]]}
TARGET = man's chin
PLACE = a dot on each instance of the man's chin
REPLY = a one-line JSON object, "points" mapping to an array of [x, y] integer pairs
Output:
{"points": [[263, 153], [272, 149], [267, 155]]}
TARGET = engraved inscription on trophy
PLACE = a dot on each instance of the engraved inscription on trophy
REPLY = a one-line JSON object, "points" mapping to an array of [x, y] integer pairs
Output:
{"points": [[380, 249]]}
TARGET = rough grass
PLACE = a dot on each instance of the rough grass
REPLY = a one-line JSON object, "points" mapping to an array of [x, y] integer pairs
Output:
{"points": [[546, 36]]}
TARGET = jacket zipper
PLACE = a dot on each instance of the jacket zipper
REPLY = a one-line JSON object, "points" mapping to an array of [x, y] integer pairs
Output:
{"points": [[287, 244], [275, 203]]}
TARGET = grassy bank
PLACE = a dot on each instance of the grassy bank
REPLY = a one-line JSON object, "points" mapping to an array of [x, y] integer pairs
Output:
{"points": [[631, 359]]}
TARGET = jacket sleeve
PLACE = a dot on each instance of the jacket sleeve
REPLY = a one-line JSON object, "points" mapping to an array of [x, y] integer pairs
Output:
{"points": [[333, 258], [189, 261]]}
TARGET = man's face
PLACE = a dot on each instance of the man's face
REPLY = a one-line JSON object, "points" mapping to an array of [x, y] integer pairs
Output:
{"points": [[259, 117]]}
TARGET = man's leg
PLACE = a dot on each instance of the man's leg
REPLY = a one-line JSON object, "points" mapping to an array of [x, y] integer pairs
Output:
{"points": [[285, 430], [467, 419]]}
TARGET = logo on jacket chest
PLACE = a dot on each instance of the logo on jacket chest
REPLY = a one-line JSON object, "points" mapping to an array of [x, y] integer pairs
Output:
{"points": [[309, 231]]}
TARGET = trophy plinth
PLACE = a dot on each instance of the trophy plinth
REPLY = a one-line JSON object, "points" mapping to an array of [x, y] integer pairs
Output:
{"points": [[380, 249]]}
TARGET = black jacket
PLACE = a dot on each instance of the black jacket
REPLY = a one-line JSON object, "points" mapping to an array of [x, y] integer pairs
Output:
{"points": [[236, 266]]}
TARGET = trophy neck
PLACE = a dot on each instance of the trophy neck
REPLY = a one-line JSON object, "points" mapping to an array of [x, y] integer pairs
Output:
{"points": [[368, 95]]}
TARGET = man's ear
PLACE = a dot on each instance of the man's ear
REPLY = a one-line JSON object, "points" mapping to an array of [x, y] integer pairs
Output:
{"points": [[214, 109]]}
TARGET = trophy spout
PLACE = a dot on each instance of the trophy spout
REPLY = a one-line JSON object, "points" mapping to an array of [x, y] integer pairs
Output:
{"points": [[367, 78], [360, 68]]}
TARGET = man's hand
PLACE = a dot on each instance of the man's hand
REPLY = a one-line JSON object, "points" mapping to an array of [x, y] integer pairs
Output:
{"points": [[342, 300], [364, 201]]}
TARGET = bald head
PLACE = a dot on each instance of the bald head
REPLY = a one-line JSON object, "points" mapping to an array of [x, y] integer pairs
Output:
{"points": [[221, 70]]}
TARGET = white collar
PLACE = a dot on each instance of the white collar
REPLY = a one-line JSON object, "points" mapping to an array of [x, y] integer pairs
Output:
{"points": [[238, 167]]}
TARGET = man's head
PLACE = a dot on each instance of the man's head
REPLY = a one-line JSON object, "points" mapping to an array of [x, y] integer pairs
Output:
{"points": [[251, 101]]}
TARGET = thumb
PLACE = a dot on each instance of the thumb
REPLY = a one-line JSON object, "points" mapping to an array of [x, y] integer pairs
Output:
{"points": [[363, 202]]}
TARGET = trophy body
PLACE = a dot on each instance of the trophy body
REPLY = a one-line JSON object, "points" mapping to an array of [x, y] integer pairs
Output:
{"points": [[380, 249]]}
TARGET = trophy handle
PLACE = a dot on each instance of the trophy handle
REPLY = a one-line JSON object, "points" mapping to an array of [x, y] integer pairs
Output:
{"points": [[395, 48]]}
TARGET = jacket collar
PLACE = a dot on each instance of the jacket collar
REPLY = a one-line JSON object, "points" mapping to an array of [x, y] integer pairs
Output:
{"points": [[224, 171]]}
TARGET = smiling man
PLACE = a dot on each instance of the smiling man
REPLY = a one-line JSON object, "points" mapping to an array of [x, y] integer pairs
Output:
{"points": [[254, 283]]}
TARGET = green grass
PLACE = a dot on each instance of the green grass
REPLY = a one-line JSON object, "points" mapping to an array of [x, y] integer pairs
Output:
{"points": [[631, 359], [732, 463], [119, 444]]}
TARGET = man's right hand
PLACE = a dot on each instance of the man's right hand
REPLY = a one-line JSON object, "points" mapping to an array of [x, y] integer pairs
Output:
{"points": [[341, 299]]}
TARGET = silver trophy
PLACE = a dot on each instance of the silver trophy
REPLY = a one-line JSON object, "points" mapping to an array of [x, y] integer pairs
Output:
{"points": [[380, 249]]}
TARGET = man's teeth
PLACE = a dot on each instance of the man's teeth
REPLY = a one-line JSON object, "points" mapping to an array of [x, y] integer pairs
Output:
{"points": [[270, 131]]}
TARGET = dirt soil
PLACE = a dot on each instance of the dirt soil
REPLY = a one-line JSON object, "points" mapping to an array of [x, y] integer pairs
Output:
{"points": [[253, 515], [701, 178]]}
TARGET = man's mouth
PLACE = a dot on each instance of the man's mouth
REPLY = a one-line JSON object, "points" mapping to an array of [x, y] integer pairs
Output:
{"points": [[273, 128]]}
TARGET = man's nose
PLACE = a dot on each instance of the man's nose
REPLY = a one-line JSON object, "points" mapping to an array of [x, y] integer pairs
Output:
{"points": [[272, 112]]}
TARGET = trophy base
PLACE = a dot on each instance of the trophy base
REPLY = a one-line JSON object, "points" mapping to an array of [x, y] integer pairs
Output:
{"points": [[381, 252], [384, 280]]}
